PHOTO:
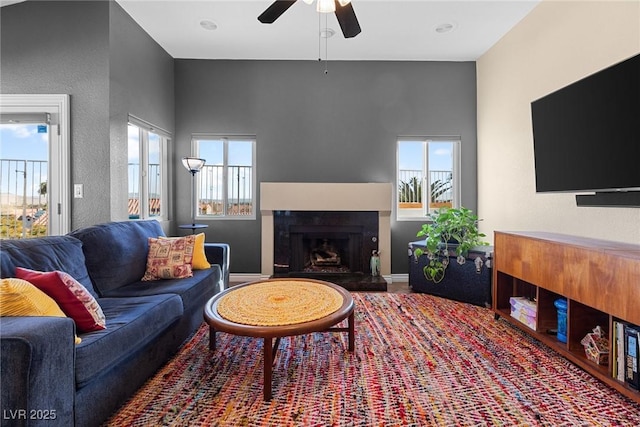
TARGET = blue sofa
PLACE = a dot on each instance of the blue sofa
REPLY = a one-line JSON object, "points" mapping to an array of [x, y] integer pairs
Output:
{"points": [[45, 376]]}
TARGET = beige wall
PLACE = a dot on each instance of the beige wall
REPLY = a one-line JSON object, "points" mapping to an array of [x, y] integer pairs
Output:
{"points": [[558, 43]]}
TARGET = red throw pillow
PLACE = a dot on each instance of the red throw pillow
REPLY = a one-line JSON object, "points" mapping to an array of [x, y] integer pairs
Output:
{"points": [[73, 298]]}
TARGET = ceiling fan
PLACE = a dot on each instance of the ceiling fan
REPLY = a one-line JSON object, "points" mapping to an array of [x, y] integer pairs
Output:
{"points": [[343, 9]]}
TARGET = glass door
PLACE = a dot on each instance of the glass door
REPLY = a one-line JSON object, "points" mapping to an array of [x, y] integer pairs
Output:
{"points": [[24, 176], [34, 166]]}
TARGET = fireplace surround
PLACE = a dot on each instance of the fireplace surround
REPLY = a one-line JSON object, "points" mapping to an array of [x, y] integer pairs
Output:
{"points": [[336, 200]]}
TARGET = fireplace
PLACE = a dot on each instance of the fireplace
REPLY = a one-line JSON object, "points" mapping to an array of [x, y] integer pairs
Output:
{"points": [[337, 204]]}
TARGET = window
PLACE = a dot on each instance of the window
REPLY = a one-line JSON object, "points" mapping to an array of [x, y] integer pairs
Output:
{"points": [[427, 176], [147, 165], [226, 183]]}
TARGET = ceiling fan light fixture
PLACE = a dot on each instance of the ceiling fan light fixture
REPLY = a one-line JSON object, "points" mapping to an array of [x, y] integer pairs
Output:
{"points": [[326, 6], [342, 2], [344, 13]]}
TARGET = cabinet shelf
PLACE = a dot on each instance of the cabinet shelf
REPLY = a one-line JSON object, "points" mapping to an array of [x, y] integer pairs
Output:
{"points": [[599, 280]]}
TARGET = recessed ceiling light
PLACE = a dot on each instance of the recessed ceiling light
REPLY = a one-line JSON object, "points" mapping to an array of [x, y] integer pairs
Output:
{"points": [[208, 25], [447, 27], [326, 33]]}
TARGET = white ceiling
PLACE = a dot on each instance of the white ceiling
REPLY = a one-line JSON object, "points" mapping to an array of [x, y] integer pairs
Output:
{"points": [[391, 29]]}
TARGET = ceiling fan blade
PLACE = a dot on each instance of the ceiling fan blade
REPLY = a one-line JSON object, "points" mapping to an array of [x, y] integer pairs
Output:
{"points": [[274, 11], [347, 20]]}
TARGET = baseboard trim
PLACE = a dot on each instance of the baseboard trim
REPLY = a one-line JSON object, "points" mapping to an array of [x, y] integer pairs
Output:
{"points": [[403, 277], [251, 277], [246, 277]]}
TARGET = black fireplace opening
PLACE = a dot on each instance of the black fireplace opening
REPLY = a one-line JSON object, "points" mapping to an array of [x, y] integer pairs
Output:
{"points": [[335, 246], [326, 249]]}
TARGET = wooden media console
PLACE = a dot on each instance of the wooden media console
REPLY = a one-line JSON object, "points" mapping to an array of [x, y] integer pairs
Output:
{"points": [[599, 279]]}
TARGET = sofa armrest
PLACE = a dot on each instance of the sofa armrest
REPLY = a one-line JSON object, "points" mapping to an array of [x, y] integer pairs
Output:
{"points": [[218, 253], [37, 370]]}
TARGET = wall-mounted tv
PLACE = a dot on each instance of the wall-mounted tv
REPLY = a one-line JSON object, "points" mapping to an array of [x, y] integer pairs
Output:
{"points": [[587, 136]]}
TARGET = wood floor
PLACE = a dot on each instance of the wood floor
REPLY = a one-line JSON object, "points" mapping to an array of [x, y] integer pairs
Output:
{"points": [[399, 288]]}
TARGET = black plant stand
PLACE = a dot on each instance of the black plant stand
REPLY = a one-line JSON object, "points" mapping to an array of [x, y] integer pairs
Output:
{"points": [[460, 283]]}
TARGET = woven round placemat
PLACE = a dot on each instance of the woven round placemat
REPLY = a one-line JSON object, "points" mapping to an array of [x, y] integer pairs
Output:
{"points": [[278, 303]]}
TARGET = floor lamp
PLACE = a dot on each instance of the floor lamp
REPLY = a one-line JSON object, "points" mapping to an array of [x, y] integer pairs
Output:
{"points": [[193, 165]]}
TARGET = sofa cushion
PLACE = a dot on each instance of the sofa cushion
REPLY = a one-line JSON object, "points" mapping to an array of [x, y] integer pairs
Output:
{"points": [[131, 324], [70, 295], [116, 252], [63, 253], [169, 258], [194, 291]]}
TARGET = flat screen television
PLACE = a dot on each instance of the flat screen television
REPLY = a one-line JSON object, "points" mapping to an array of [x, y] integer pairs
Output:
{"points": [[587, 135]]}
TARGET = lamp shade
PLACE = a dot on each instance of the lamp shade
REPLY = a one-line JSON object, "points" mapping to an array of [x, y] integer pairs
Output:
{"points": [[193, 164]]}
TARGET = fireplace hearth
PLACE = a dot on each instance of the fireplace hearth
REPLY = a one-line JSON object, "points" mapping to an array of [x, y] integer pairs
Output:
{"points": [[335, 246]]}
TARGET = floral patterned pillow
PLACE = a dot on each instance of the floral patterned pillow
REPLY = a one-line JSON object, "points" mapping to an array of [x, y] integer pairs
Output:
{"points": [[169, 258]]}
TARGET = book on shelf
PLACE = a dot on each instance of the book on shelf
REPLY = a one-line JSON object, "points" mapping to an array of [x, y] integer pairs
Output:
{"points": [[619, 349], [631, 350], [614, 350]]}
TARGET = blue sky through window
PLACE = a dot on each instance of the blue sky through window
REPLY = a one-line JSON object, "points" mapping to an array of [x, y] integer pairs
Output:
{"points": [[411, 155], [22, 142]]}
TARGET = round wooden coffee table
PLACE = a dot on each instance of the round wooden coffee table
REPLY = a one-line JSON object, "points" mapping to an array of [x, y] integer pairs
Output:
{"points": [[325, 323]]}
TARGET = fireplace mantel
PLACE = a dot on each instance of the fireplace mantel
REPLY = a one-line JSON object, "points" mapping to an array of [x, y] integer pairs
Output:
{"points": [[313, 196]]}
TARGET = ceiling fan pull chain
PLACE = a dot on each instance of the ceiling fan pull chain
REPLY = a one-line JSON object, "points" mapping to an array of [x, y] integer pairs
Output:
{"points": [[326, 46], [319, 39]]}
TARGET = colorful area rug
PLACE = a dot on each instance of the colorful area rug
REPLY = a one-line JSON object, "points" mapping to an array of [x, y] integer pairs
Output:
{"points": [[419, 360]]}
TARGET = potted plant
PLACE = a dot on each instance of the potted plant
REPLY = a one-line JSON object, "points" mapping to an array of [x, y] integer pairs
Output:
{"points": [[451, 231], [452, 235]]}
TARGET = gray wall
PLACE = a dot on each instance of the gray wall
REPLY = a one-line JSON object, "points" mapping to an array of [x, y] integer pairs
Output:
{"points": [[312, 127], [141, 84], [63, 47], [95, 52]]}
